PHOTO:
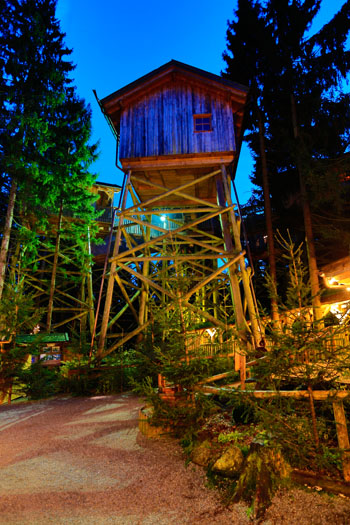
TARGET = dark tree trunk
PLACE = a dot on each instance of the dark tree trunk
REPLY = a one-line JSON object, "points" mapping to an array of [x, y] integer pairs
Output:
{"points": [[268, 221], [6, 234], [311, 252], [54, 271]]}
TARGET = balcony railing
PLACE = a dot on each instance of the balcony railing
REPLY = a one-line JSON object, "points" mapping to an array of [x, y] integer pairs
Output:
{"points": [[135, 229]]}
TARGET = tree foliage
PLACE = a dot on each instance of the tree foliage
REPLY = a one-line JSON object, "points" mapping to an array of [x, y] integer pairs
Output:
{"points": [[270, 47], [46, 151]]}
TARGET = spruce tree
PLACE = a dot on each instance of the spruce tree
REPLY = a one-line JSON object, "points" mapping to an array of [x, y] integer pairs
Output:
{"points": [[70, 182], [298, 80], [249, 64], [45, 156], [31, 52]]}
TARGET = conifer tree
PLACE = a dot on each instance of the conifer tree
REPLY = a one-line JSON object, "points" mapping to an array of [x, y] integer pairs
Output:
{"points": [[45, 127], [306, 113], [249, 64]]}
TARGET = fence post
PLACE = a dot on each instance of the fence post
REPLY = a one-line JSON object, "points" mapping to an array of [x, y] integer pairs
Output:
{"points": [[343, 437]]}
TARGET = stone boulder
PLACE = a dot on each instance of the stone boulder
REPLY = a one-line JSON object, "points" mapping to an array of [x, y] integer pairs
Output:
{"points": [[202, 453], [264, 471], [230, 463]]}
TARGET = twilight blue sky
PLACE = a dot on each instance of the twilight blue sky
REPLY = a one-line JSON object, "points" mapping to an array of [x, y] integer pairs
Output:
{"points": [[115, 42]]}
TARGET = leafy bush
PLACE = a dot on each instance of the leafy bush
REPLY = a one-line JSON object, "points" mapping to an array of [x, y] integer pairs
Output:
{"points": [[38, 381], [112, 375]]}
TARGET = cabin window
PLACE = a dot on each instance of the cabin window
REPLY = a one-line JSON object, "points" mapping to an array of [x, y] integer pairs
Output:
{"points": [[202, 122]]}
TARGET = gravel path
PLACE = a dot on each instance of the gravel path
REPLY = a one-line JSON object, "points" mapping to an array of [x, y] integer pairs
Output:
{"points": [[83, 461]]}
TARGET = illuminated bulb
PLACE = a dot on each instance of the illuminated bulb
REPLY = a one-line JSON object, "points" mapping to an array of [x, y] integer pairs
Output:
{"points": [[211, 332], [163, 218]]}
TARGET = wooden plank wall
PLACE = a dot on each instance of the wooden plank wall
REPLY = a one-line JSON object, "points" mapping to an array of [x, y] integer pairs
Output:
{"points": [[161, 123]]}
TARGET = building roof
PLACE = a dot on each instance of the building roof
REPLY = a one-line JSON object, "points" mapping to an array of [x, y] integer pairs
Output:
{"points": [[170, 67], [42, 338], [107, 184]]}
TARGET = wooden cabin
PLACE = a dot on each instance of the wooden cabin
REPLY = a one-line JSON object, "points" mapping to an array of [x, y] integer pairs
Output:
{"points": [[335, 295], [106, 195], [175, 124], [107, 202]]}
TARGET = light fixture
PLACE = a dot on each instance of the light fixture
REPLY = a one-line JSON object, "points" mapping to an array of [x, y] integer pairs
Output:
{"points": [[211, 332], [163, 218]]}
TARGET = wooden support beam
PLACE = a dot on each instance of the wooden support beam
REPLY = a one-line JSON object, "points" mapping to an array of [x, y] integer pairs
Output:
{"points": [[343, 436], [205, 314], [209, 236], [125, 295], [244, 273], [144, 286], [129, 284], [199, 257], [200, 267], [110, 286], [212, 276], [242, 369], [120, 313], [170, 234], [125, 339], [151, 283], [32, 280], [183, 240], [147, 281], [129, 243], [241, 323], [70, 309], [78, 316], [216, 377], [173, 211], [318, 395], [178, 190], [90, 287], [187, 239]]}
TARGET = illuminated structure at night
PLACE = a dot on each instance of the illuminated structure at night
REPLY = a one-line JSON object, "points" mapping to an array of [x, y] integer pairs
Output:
{"points": [[179, 131]]}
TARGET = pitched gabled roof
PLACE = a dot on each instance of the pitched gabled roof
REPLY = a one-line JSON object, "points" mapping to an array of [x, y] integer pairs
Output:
{"points": [[175, 66], [106, 184]]}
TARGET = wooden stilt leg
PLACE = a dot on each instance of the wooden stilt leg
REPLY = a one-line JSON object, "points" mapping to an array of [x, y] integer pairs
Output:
{"points": [[244, 273], [236, 294], [90, 289], [111, 279]]}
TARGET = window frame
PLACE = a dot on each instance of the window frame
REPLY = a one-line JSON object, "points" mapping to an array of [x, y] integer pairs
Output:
{"points": [[199, 116]]}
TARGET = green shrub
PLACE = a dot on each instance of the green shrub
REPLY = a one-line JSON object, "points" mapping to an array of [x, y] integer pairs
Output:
{"points": [[38, 381]]}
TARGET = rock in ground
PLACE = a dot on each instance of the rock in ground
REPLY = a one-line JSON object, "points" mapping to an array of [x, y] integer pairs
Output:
{"points": [[230, 463]]}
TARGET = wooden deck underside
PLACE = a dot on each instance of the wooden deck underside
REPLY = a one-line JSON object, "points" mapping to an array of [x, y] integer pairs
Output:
{"points": [[170, 179], [149, 182]]}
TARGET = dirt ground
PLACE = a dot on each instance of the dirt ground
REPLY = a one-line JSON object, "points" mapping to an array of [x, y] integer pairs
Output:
{"points": [[83, 461]]}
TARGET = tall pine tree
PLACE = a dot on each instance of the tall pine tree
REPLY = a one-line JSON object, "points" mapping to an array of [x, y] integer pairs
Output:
{"points": [[45, 127], [296, 82]]}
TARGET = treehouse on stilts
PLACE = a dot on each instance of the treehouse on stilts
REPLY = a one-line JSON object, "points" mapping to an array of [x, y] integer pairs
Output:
{"points": [[179, 131]]}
